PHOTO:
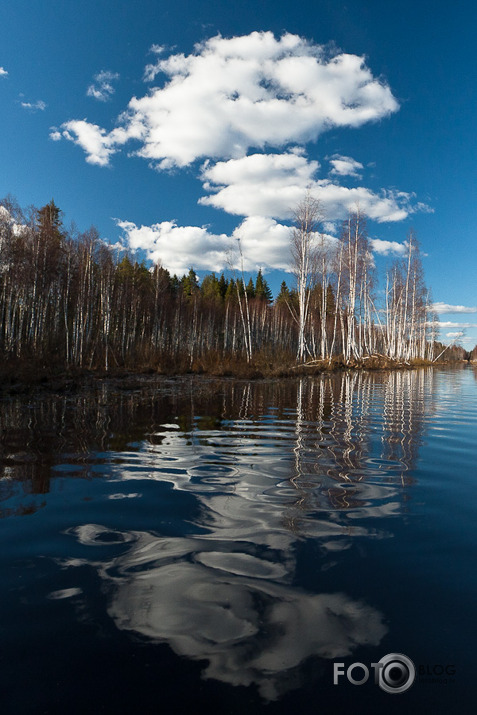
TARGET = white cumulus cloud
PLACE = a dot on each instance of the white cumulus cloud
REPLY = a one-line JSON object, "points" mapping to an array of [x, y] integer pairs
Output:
{"points": [[338, 201], [273, 184], [258, 242], [264, 189], [260, 184], [247, 106], [3, 72], [250, 91], [178, 248], [96, 142], [264, 242]]}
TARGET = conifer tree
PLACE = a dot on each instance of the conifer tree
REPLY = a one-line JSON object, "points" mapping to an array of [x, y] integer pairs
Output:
{"points": [[284, 294], [262, 289], [250, 289], [223, 283]]}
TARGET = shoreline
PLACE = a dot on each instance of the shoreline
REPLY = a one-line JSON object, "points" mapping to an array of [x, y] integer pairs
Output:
{"points": [[25, 379]]}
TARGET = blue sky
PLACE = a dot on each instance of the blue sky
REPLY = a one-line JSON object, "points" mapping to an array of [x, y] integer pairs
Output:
{"points": [[177, 126]]}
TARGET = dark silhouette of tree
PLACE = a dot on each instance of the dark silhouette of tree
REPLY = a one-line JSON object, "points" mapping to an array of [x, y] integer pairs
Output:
{"points": [[250, 289], [262, 289]]}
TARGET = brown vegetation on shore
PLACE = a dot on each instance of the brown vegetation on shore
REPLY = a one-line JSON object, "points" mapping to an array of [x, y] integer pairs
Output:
{"points": [[22, 377]]}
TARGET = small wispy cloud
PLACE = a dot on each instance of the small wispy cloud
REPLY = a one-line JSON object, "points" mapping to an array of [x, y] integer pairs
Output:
{"points": [[3, 72], [447, 308], [421, 207], [456, 334], [117, 247], [386, 248], [38, 106], [450, 324], [102, 88], [151, 70], [345, 166]]}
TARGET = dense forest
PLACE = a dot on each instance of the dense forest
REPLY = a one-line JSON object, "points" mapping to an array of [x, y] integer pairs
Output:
{"points": [[68, 300]]}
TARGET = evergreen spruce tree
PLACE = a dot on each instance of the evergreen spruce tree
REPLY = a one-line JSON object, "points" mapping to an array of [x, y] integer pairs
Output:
{"points": [[284, 294], [210, 288], [223, 284], [262, 289], [190, 283], [231, 292], [250, 289]]}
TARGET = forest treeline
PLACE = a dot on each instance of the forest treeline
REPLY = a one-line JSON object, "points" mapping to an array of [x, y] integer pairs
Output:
{"points": [[68, 300]]}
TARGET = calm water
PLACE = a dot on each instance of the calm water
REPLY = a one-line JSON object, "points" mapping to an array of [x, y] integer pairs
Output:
{"points": [[216, 546]]}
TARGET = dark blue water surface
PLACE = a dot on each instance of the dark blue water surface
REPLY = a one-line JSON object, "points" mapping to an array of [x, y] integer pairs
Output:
{"points": [[200, 545]]}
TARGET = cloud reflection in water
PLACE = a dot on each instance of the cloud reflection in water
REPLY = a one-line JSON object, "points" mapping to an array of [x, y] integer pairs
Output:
{"points": [[234, 610]]}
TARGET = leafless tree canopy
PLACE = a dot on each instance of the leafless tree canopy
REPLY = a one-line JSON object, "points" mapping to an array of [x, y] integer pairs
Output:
{"points": [[68, 299]]}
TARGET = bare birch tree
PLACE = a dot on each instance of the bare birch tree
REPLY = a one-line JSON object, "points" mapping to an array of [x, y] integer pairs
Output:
{"points": [[307, 217]]}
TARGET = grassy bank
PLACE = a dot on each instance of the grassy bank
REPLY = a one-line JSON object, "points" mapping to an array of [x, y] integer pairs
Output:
{"points": [[21, 376]]}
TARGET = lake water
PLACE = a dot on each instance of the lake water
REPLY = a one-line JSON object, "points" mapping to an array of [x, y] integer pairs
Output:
{"points": [[200, 545]]}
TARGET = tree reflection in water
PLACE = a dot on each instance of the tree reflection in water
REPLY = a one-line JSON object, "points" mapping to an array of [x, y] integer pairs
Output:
{"points": [[268, 465]]}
